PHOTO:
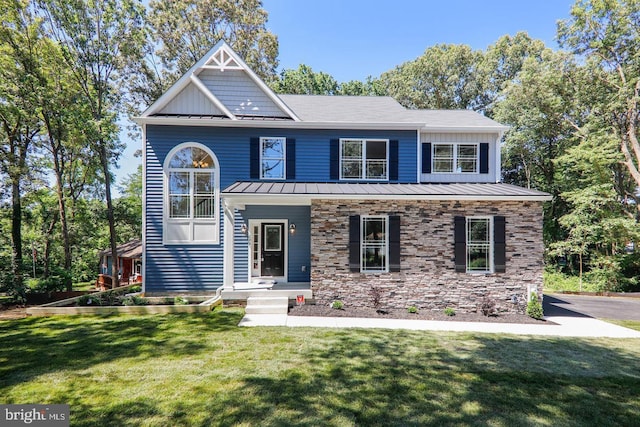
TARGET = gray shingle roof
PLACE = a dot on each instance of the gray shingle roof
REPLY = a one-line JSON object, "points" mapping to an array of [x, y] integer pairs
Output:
{"points": [[379, 109], [497, 191]]}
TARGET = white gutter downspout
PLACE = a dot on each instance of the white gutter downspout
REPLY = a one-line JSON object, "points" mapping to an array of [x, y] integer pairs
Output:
{"points": [[499, 157], [228, 266]]}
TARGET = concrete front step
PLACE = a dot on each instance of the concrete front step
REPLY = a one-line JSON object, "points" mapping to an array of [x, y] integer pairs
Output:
{"points": [[267, 305]]}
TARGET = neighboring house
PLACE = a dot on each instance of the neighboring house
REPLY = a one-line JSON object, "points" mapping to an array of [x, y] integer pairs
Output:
{"points": [[129, 262], [336, 194]]}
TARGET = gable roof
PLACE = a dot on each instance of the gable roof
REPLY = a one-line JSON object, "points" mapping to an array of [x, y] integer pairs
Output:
{"points": [[220, 85], [221, 90]]}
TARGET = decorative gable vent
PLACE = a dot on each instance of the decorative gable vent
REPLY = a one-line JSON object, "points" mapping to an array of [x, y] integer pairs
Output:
{"points": [[222, 60]]}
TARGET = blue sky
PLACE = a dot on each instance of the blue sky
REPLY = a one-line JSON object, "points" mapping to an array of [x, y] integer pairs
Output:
{"points": [[353, 39]]}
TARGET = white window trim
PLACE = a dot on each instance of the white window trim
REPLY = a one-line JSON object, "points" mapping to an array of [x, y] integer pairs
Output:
{"points": [[491, 245], [191, 222], [455, 158], [386, 243], [364, 159], [284, 157]]}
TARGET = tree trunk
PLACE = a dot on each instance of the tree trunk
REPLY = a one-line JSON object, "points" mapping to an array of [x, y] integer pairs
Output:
{"points": [[16, 238], [104, 159], [62, 211]]}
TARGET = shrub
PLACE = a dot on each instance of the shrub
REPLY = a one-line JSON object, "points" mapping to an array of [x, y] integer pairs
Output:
{"points": [[135, 289], [88, 300], [376, 296], [134, 300], [488, 306], [534, 307], [450, 311], [337, 305], [180, 301], [412, 309]]}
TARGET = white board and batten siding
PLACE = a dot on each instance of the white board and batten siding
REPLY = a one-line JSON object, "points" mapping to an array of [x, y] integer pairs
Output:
{"points": [[239, 93], [494, 174]]}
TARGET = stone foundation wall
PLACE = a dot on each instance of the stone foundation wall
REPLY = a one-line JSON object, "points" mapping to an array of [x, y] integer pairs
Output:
{"points": [[427, 277]]}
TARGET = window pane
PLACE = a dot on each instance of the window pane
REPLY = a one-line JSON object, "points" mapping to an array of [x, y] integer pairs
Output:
{"points": [[200, 159], [443, 166], [272, 148], [272, 169], [191, 157], [205, 183], [443, 150], [373, 230], [376, 150], [204, 206], [477, 230], [273, 238], [351, 169], [179, 183], [179, 206], [376, 169], [478, 258], [467, 158], [374, 259], [351, 149]]}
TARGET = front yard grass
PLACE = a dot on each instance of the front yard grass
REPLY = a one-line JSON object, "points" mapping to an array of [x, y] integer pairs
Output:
{"points": [[201, 370]]}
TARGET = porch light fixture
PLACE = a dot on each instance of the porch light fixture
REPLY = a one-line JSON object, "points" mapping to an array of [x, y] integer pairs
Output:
{"points": [[243, 228], [292, 228]]}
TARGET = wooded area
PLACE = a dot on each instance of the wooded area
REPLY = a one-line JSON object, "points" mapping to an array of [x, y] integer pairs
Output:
{"points": [[72, 72]]}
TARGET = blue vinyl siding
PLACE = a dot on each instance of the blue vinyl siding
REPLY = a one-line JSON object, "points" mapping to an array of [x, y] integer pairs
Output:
{"points": [[177, 268]]}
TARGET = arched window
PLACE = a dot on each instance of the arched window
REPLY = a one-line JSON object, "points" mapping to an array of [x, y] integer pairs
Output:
{"points": [[192, 188]]}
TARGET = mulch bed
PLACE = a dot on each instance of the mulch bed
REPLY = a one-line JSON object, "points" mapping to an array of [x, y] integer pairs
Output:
{"points": [[326, 311]]}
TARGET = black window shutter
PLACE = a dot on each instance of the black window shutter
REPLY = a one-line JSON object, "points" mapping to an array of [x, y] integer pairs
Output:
{"points": [[426, 157], [254, 152], [354, 243], [291, 158], [499, 244], [393, 160], [394, 243], [334, 159], [460, 239], [484, 158]]}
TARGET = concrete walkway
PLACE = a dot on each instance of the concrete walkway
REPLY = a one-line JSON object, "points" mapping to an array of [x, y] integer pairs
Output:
{"points": [[586, 327]]}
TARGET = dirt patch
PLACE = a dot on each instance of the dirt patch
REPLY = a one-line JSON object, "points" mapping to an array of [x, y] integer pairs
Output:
{"points": [[325, 311]]}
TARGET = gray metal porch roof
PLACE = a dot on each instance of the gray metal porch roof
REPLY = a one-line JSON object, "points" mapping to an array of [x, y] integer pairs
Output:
{"points": [[356, 190]]}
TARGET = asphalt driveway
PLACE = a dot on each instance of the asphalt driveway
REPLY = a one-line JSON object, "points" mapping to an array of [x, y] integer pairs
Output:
{"points": [[619, 308]]}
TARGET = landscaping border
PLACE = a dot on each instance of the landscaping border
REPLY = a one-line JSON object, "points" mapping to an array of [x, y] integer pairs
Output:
{"points": [[61, 307]]}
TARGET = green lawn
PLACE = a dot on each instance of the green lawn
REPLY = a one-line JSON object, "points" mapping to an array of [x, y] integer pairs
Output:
{"points": [[200, 370]]}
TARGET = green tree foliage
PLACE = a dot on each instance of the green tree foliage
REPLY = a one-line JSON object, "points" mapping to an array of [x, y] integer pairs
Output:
{"points": [[186, 29], [607, 34], [304, 81]]}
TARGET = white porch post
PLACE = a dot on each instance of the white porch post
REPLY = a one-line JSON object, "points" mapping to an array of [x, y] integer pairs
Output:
{"points": [[228, 245]]}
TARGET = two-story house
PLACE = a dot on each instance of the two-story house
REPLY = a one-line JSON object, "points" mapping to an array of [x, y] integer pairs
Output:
{"points": [[336, 194]]}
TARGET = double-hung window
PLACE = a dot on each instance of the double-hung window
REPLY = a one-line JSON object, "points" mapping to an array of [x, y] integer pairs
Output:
{"points": [[273, 158], [192, 191], [364, 159], [455, 158], [479, 239], [480, 244], [374, 244]]}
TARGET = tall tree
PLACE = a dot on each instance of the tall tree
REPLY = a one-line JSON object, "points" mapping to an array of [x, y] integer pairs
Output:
{"points": [[101, 40], [18, 39], [186, 29], [607, 34], [305, 81], [541, 108]]}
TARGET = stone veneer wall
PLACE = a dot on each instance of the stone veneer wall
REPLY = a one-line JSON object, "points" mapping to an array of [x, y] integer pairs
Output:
{"points": [[427, 277]]}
